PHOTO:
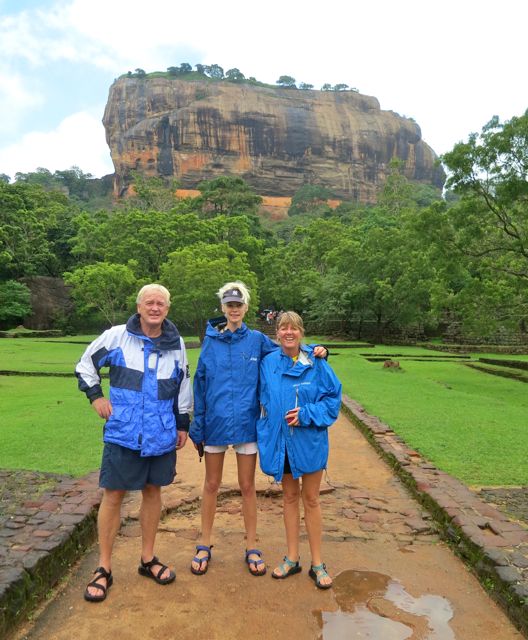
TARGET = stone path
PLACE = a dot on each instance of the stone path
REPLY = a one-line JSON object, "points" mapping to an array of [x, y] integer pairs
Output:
{"points": [[384, 547]]}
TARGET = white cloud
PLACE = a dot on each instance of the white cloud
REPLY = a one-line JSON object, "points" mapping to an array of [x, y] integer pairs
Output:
{"points": [[15, 98], [79, 140], [451, 67]]}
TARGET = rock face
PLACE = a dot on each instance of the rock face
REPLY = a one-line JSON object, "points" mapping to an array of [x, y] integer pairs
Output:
{"points": [[276, 139], [50, 301]]}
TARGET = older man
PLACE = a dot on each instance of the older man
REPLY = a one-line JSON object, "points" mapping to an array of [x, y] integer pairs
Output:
{"points": [[147, 419]]}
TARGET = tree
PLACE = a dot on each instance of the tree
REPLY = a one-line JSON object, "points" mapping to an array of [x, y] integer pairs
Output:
{"points": [[490, 172], [287, 82], [104, 287], [326, 87], [146, 236], [305, 87], [139, 73], [35, 227], [235, 75], [340, 87], [5, 178], [185, 67], [310, 198], [152, 193], [200, 68], [194, 274], [489, 223], [214, 71], [14, 302]]}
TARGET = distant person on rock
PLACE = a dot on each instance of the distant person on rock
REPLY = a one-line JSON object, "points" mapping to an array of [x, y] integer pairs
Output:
{"points": [[301, 398], [226, 409], [147, 420]]}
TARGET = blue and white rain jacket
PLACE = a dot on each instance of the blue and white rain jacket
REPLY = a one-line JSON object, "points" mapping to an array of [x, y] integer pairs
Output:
{"points": [[150, 387], [309, 384]]}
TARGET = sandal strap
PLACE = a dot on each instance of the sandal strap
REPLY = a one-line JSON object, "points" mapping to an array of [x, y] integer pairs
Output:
{"points": [[289, 563], [256, 552], [320, 570], [96, 585], [99, 573], [203, 547], [103, 572], [148, 565]]}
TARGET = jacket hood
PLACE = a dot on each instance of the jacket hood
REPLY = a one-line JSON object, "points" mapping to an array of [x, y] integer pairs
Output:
{"points": [[170, 336], [299, 365], [215, 329]]}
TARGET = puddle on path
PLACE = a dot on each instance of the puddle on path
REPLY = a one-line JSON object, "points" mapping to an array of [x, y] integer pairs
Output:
{"points": [[374, 606]]}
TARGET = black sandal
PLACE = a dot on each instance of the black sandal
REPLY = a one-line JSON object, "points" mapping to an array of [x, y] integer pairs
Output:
{"points": [[145, 569], [100, 572]]}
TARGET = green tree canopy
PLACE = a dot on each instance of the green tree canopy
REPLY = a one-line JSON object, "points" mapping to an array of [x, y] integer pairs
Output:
{"points": [[194, 274], [310, 198], [488, 225], [14, 303], [103, 287], [35, 227], [287, 82]]}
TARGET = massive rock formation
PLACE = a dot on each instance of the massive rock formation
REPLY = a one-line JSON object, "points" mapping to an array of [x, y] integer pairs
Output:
{"points": [[276, 139]]}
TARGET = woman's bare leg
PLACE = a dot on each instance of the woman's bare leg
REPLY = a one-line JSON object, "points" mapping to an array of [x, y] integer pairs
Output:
{"points": [[214, 466]]}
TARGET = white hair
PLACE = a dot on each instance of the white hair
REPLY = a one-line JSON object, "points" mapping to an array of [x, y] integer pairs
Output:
{"points": [[153, 287], [235, 285]]}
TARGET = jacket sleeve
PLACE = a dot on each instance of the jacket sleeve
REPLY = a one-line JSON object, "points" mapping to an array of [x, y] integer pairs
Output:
{"points": [[87, 370], [197, 430], [323, 412], [267, 345], [184, 401]]}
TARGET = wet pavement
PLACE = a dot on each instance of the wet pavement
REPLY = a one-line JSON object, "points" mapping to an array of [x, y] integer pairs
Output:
{"points": [[394, 576]]}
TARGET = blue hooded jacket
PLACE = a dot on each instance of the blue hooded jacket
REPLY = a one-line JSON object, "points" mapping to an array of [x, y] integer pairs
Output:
{"points": [[226, 406], [150, 388], [309, 384]]}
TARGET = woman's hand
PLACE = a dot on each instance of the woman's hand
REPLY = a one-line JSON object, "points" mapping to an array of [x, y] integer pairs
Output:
{"points": [[320, 351], [292, 417]]}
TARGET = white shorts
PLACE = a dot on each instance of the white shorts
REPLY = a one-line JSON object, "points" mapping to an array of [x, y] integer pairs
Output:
{"points": [[246, 448]]}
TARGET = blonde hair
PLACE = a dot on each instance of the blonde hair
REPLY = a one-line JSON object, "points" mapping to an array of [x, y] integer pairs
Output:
{"points": [[235, 285], [291, 318], [153, 287]]}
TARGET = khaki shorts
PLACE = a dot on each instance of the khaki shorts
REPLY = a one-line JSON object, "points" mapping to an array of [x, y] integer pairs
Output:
{"points": [[245, 449]]}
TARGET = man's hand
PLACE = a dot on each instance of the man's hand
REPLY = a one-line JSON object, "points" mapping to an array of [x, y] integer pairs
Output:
{"points": [[182, 439], [103, 408]]}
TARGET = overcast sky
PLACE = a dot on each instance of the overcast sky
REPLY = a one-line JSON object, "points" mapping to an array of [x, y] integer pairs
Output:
{"points": [[450, 65]]}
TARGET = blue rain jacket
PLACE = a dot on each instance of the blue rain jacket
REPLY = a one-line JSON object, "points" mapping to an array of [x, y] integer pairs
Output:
{"points": [[310, 384], [150, 388], [226, 406]]}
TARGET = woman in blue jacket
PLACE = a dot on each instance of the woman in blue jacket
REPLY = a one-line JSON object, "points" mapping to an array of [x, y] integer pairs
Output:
{"points": [[226, 409], [300, 397]]}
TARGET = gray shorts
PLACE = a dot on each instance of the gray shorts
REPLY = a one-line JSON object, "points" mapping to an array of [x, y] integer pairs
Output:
{"points": [[125, 469]]}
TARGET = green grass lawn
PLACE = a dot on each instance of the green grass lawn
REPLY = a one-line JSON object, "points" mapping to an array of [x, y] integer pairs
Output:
{"points": [[468, 423], [47, 424]]}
